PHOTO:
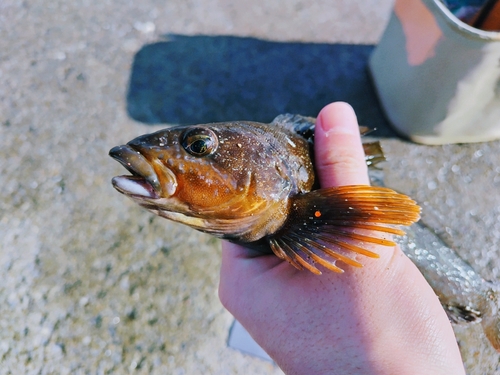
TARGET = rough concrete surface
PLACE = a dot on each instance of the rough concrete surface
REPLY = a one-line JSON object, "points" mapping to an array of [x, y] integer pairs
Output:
{"points": [[92, 284]]}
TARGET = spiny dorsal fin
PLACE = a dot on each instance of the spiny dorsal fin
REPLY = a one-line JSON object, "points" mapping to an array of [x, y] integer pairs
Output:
{"points": [[304, 126], [328, 225]]}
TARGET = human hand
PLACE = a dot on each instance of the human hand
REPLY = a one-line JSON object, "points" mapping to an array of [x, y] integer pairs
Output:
{"points": [[381, 319]]}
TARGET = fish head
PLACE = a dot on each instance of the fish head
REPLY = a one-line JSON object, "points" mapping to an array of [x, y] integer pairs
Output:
{"points": [[205, 176]]}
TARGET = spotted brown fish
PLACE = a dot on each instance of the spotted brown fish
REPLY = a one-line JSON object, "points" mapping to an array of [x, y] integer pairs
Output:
{"points": [[255, 184]]}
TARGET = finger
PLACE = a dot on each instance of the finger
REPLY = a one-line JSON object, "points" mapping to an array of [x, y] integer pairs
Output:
{"points": [[339, 153]]}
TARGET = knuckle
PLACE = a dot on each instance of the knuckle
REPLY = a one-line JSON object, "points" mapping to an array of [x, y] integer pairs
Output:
{"points": [[342, 162]]}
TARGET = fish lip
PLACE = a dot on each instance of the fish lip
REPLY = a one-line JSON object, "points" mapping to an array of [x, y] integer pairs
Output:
{"points": [[140, 168]]}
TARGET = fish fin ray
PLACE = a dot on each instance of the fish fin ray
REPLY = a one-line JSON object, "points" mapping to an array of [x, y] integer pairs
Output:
{"points": [[326, 225], [336, 241], [321, 248], [309, 255], [291, 254], [305, 252]]}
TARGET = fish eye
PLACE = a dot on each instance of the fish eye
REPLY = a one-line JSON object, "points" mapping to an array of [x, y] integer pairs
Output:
{"points": [[199, 141]]}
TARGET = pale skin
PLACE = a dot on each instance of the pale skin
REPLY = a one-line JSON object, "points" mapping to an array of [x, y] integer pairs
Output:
{"points": [[380, 319]]}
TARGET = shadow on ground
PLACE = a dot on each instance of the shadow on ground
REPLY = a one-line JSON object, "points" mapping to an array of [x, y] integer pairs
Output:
{"points": [[199, 79]]}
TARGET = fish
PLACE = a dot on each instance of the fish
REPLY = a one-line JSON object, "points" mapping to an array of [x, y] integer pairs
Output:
{"points": [[255, 184]]}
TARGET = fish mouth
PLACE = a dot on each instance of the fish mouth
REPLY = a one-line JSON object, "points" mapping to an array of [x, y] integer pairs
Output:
{"points": [[144, 181]]}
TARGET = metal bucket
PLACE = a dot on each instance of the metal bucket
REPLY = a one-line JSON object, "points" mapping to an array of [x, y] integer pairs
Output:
{"points": [[438, 79]]}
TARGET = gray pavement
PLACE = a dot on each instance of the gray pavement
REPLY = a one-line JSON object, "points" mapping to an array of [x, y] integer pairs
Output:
{"points": [[92, 284]]}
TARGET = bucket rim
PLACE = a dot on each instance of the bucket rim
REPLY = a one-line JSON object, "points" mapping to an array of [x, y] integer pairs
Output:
{"points": [[439, 8]]}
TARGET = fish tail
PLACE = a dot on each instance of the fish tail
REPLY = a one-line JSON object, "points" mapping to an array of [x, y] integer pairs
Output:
{"points": [[373, 154], [333, 225]]}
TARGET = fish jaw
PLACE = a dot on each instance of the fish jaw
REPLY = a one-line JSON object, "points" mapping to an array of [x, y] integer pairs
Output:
{"points": [[144, 181], [133, 186]]}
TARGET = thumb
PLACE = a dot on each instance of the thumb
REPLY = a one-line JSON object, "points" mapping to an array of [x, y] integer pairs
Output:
{"points": [[339, 153]]}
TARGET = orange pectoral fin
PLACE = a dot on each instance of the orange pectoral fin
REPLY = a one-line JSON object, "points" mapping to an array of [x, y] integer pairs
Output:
{"points": [[326, 225]]}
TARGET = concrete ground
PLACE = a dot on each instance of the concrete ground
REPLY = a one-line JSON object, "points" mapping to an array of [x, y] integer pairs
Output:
{"points": [[92, 284]]}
